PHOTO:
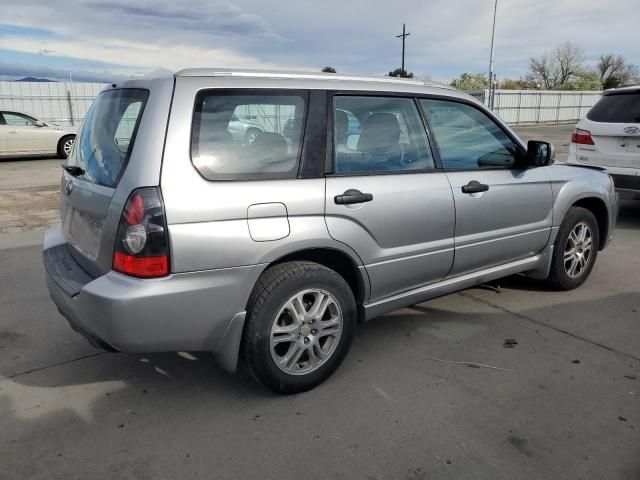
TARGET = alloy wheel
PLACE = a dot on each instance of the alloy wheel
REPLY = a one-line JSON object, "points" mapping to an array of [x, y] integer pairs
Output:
{"points": [[306, 331], [67, 146], [578, 249]]}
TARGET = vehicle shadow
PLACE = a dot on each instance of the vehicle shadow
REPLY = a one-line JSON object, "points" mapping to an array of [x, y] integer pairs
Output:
{"points": [[131, 405], [191, 372], [30, 157]]}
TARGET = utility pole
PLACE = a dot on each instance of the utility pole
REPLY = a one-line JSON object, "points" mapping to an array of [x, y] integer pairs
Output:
{"points": [[493, 34], [403, 36]]}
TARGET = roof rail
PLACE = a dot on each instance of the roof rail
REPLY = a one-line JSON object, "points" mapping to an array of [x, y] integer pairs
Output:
{"points": [[224, 72]]}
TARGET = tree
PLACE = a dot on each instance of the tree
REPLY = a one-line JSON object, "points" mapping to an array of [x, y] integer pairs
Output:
{"points": [[470, 81], [328, 69], [398, 72], [557, 68], [510, 84], [614, 71], [587, 80]]}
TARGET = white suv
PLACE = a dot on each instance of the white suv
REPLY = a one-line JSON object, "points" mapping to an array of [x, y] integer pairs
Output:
{"points": [[609, 136]]}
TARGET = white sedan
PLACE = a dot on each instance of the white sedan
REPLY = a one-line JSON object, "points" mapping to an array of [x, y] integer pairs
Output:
{"points": [[22, 135]]}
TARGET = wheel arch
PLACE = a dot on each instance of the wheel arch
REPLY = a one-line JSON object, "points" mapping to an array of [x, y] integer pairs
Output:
{"points": [[599, 209], [336, 260]]}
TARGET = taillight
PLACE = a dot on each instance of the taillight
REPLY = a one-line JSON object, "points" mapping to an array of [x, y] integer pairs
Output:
{"points": [[582, 137], [142, 243]]}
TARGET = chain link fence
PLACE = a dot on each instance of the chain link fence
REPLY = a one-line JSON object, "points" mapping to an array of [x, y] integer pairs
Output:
{"points": [[66, 103]]}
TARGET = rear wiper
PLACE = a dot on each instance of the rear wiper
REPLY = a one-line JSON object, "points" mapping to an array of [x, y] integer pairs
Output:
{"points": [[72, 170]]}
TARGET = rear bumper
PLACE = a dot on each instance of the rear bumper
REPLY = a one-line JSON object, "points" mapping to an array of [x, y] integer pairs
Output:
{"points": [[181, 312], [626, 179]]}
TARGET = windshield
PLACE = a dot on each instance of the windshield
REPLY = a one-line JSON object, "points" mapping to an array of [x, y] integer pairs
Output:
{"points": [[107, 135]]}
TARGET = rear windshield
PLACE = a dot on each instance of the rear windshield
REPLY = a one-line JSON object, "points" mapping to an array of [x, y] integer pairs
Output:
{"points": [[247, 135], [617, 108], [106, 139]]}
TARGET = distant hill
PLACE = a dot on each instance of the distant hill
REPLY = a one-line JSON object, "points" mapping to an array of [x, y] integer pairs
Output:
{"points": [[34, 79]]}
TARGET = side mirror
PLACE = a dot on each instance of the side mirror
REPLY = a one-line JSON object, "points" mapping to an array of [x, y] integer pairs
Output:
{"points": [[40, 123], [540, 154]]}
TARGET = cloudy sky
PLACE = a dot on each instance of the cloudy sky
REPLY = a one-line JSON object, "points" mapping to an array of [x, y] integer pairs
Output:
{"points": [[108, 39]]}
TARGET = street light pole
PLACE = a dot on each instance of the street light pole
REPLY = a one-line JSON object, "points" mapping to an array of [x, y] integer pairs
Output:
{"points": [[493, 34]]}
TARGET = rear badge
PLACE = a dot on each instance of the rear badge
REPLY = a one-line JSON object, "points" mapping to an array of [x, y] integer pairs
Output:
{"points": [[632, 130]]}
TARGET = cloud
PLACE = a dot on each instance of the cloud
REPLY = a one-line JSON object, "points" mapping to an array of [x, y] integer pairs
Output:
{"points": [[447, 36]]}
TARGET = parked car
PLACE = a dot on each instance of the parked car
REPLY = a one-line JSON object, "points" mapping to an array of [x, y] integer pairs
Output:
{"points": [[23, 135], [272, 252], [244, 130], [609, 137]]}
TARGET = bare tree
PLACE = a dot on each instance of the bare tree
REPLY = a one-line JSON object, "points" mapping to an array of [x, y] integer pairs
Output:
{"points": [[556, 68], [614, 71]]}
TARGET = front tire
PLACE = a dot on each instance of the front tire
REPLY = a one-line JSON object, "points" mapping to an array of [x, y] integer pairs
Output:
{"points": [[65, 145], [575, 249], [300, 324]]}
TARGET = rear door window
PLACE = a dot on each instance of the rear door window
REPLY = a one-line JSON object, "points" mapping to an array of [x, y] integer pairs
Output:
{"points": [[379, 135], [108, 132], [617, 108], [252, 135]]}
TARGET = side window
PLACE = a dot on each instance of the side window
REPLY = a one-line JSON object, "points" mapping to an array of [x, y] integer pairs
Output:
{"points": [[467, 138], [379, 134], [18, 120], [247, 136]]}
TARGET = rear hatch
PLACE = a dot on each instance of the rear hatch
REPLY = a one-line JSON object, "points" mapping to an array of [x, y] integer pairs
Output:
{"points": [[614, 123], [101, 154]]}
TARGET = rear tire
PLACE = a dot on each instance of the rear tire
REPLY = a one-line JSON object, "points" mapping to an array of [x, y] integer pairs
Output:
{"points": [[575, 249], [65, 145], [300, 324]]}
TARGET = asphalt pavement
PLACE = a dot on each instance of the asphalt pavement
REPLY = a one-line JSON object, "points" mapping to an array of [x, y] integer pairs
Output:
{"points": [[563, 402]]}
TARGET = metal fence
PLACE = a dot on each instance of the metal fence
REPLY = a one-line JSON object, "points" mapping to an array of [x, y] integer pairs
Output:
{"points": [[530, 107], [67, 103]]}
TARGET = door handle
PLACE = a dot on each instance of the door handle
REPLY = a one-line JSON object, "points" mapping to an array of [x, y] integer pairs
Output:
{"points": [[352, 196], [475, 187], [13, 131]]}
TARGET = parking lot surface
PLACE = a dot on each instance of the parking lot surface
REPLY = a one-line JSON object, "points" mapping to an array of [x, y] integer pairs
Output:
{"points": [[564, 402]]}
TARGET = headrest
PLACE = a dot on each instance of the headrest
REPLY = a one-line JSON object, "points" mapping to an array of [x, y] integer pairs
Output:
{"points": [[379, 132], [271, 145]]}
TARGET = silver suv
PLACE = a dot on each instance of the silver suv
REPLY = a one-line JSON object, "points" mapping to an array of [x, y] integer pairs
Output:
{"points": [[383, 193]]}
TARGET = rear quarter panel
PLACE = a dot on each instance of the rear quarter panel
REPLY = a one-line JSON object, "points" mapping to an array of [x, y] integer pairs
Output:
{"points": [[208, 220]]}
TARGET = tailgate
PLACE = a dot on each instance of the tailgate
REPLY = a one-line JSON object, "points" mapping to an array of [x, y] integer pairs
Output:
{"points": [[102, 153], [616, 145], [614, 123]]}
